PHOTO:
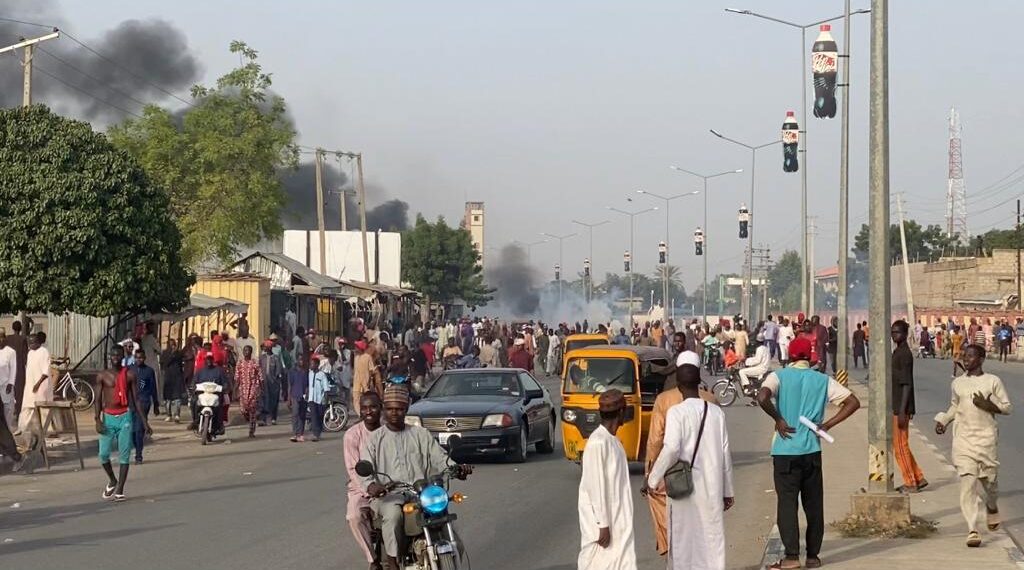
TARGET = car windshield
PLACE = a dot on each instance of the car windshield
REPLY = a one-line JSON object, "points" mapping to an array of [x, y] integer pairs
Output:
{"points": [[595, 375], [503, 384]]}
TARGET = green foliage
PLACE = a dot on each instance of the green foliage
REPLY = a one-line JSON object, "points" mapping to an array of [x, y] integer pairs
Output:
{"points": [[922, 243], [997, 239], [784, 282], [219, 160], [85, 230], [441, 262]]}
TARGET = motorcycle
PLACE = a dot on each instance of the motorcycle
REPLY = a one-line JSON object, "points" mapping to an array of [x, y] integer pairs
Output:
{"points": [[728, 389], [713, 358], [336, 408], [208, 400], [431, 542]]}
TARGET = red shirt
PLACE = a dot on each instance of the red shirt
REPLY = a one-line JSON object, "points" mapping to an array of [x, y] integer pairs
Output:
{"points": [[521, 359], [813, 337]]}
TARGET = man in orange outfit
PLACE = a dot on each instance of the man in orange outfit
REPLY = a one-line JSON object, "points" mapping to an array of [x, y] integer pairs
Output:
{"points": [[904, 409]]}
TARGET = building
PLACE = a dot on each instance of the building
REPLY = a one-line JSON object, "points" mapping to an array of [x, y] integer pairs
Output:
{"points": [[961, 284], [828, 278], [474, 222]]}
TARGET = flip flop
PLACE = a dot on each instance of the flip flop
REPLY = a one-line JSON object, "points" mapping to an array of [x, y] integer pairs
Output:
{"points": [[782, 565], [922, 484], [973, 539], [993, 520]]}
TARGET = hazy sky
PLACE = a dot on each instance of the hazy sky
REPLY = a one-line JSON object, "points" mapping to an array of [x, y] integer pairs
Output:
{"points": [[549, 111]]}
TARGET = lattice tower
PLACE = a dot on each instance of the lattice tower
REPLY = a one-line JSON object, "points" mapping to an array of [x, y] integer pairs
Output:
{"points": [[956, 192]]}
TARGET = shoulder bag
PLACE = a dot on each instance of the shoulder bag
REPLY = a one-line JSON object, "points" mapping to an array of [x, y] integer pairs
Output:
{"points": [[679, 477]]}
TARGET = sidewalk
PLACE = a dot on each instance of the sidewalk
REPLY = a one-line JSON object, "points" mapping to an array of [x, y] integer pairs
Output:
{"points": [[845, 473]]}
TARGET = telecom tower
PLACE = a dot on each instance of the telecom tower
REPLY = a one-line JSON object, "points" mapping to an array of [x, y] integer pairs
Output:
{"points": [[956, 192]]}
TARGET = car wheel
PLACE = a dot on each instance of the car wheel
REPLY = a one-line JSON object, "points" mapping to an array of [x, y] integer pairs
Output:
{"points": [[518, 455], [547, 445]]}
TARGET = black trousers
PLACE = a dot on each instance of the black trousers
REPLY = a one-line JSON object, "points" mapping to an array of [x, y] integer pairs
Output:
{"points": [[8, 447], [798, 480]]}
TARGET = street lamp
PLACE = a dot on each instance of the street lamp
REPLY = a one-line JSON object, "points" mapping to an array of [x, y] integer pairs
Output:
{"points": [[668, 242], [629, 269], [804, 273], [529, 249], [590, 230], [560, 240], [706, 178], [749, 273]]}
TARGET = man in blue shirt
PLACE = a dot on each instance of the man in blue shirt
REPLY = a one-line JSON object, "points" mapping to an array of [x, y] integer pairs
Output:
{"points": [[298, 390], [146, 378], [796, 450]]}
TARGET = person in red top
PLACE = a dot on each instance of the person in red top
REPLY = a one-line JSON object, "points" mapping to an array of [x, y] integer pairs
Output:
{"points": [[220, 353], [116, 404], [520, 357], [731, 358], [809, 332]]}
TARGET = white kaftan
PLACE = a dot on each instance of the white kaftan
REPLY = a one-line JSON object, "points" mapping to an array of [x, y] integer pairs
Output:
{"points": [[975, 431], [606, 500], [696, 523]]}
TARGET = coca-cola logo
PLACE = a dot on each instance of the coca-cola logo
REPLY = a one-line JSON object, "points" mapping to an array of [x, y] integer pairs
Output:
{"points": [[825, 62]]}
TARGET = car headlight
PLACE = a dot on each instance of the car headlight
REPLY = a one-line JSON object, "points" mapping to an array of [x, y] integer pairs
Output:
{"points": [[569, 416], [413, 421], [433, 499], [497, 420]]}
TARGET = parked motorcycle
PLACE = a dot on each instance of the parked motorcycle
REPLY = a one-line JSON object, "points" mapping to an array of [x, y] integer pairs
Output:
{"points": [[431, 542], [208, 399]]}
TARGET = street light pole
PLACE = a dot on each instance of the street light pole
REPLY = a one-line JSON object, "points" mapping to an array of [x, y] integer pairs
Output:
{"points": [[668, 243], [844, 198], [706, 228], [748, 275], [632, 263], [590, 231], [560, 262], [806, 282], [529, 249]]}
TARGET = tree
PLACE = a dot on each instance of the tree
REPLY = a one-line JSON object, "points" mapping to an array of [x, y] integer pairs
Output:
{"points": [[219, 160], [85, 230], [441, 262], [922, 243], [784, 282]]}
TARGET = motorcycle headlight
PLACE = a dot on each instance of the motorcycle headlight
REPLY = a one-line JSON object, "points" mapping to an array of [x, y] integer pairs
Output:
{"points": [[413, 421], [497, 420], [569, 416], [434, 500]]}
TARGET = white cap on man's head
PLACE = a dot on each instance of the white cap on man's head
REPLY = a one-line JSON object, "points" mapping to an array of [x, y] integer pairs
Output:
{"points": [[688, 357]]}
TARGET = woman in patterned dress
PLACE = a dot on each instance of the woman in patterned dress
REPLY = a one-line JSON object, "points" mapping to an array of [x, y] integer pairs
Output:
{"points": [[249, 388]]}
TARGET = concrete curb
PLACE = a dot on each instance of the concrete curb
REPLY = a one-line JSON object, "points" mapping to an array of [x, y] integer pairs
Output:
{"points": [[774, 550]]}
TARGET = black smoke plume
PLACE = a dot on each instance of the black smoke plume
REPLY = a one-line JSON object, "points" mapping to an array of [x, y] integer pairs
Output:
{"points": [[515, 283], [300, 202], [147, 52]]}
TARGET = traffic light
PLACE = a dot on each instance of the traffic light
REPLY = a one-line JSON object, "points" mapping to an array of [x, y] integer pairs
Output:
{"points": [[698, 241], [626, 258], [744, 219], [662, 252], [558, 272], [586, 267]]}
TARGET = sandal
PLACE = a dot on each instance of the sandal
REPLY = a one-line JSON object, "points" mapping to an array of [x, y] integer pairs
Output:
{"points": [[993, 520], [785, 564], [922, 484], [813, 562], [973, 539]]}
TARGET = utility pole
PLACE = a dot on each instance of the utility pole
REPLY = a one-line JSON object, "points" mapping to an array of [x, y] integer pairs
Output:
{"points": [[30, 50], [560, 260], [812, 232], [764, 265], [906, 267], [320, 210], [590, 233], [844, 197], [361, 188], [1020, 290]]}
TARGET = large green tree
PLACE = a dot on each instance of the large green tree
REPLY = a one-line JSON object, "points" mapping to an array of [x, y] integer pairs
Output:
{"points": [[85, 229], [923, 243], [441, 262], [219, 159], [784, 282]]}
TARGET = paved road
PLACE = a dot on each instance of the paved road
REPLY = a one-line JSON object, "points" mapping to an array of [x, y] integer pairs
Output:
{"points": [[268, 503], [932, 380]]}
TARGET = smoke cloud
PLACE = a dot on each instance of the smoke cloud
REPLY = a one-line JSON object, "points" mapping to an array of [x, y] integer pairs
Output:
{"points": [[153, 50], [520, 295], [300, 206]]}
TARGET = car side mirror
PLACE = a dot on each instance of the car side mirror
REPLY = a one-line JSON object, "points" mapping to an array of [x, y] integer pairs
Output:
{"points": [[534, 394], [364, 468]]}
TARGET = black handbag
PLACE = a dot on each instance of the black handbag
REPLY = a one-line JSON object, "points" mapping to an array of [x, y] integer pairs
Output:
{"points": [[679, 477]]}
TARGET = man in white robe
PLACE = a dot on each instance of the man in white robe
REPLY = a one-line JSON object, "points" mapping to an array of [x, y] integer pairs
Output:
{"points": [[38, 386], [976, 401], [605, 497], [696, 523]]}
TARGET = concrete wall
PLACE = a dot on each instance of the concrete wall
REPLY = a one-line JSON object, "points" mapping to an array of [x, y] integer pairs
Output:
{"points": [[935, 285]]}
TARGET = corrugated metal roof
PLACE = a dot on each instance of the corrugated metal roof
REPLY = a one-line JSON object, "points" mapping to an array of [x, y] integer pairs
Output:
{"points": [[285, 272]]}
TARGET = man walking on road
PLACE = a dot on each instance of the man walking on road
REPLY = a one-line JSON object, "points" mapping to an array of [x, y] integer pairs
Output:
{"points": [[605, 498], [117, 404], [976, 401], [147, 392], [19, 343], [796, 450], [365, 374], [8, 377], [903, 409], [298, 388], [358, 512], [273, 371], [38, 385], [695, 432]]}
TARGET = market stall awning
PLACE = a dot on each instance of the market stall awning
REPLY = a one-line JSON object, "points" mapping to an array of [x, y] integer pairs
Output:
{"points": [[201, 305], [287, 274]]}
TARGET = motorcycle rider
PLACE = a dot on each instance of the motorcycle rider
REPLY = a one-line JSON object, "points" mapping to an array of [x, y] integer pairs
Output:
{"points": [[210, 373], [756, 366], [405, 453], [358, 515]]}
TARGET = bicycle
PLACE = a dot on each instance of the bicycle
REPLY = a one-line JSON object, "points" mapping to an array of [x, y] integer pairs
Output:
{"points": [[79, 392]]}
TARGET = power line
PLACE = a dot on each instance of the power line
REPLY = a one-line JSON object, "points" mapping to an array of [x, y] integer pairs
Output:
{"points": [[96, 79], [36, 67], [12, 20]]}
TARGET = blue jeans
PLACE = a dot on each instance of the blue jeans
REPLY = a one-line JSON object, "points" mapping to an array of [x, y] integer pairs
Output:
{"points": [[139, 429], [119, 429]]}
